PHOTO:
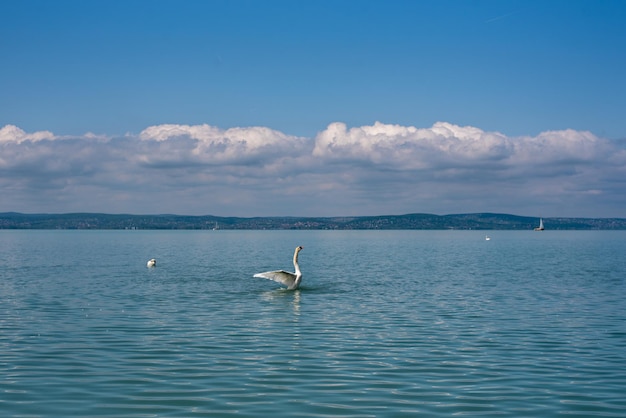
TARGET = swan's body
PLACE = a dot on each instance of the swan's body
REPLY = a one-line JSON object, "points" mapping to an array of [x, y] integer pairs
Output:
{"points": [[291, 280], [151, 262]]}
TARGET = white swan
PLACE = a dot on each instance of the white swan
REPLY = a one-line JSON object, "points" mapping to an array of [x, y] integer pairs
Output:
{"points": [[291, 280], [151, 262]]}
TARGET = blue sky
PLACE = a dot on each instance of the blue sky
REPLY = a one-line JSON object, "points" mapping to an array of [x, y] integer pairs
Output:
{"points": [[87, 86]]}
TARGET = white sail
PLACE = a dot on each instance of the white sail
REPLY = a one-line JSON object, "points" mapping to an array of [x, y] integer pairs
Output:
{"points": [[540, 228]]}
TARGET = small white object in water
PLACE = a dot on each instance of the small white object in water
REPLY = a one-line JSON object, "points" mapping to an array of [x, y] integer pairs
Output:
{"points": [[151, 262]]}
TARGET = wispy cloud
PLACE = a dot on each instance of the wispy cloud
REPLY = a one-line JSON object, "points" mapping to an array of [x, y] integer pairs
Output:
{"points": [[376, 169], [499, 17]]}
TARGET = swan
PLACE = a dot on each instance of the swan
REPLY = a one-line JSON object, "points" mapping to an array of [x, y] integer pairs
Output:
{"points": [[151, 262], [291, 280]]}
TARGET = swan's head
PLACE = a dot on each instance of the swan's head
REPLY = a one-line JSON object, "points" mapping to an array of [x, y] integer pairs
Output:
{"points": [[300, 248]]}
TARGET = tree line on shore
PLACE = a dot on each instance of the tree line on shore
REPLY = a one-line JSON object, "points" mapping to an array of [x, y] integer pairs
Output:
{"points": [[472, 221]]}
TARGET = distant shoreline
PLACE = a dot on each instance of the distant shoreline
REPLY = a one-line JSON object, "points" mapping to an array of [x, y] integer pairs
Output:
{"points": [[416, 221]]}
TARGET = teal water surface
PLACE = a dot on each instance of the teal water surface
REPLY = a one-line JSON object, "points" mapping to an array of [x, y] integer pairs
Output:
{"points": [[386, 324]]}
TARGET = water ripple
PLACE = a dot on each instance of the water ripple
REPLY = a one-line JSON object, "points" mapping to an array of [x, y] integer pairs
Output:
{"points": [[427, 323]]}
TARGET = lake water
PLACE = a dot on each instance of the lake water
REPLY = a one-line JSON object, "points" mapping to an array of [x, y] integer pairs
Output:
{"points": [[386, 324]]}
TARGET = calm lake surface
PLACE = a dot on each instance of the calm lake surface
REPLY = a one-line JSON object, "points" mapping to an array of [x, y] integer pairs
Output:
{"points": [[386, 324]]}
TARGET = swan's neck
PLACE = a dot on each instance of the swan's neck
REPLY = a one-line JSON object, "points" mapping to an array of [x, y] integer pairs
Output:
{"points": [[297, 267], [295, 263]]}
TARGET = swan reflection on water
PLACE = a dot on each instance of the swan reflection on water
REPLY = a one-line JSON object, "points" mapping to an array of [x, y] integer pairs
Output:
{"points": [[284, 297]]}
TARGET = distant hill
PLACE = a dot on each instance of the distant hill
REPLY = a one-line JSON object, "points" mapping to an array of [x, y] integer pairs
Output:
{"points": [[480, 221]]}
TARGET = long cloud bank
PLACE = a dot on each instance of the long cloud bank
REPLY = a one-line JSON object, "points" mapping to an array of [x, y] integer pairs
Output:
{"points": [[377, 169]]}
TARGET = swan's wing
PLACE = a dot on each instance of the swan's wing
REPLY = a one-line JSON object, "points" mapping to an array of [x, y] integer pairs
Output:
{"points": [[280, 276]]}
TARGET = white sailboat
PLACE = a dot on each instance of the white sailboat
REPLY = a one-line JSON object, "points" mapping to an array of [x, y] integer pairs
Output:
{"points": [[540, 227]]}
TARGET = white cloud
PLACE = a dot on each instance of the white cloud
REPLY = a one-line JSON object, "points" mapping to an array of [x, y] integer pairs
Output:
{"points": [[557, 146], [373, 169], [169, 131], [210, 145], [401, 147], [11, 133], [445, 146]]}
